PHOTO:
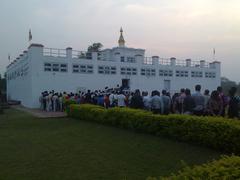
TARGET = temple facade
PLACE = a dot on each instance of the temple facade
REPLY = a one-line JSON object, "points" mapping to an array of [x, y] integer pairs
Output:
{"points": [[44, 69]]}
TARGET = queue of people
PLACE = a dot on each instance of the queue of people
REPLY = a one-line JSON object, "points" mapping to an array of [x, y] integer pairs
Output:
{"points": [[184, 102]]}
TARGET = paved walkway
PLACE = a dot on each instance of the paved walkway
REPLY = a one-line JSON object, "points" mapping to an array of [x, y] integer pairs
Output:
{"points": [[39, 113]]}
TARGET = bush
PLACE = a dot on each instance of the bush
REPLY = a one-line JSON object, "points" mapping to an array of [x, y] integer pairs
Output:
{"points": [[225, 168], [215, 132], [67, 104]]}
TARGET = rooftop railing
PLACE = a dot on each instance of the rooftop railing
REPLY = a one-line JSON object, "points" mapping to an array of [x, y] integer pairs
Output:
{"points": [[164, 61], [54, 52], [81, 54], [175, 62], [103, 56]]}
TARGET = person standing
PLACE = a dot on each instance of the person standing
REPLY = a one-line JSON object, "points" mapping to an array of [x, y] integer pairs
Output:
{"points": [[224, 99], [60, 98], [121, 99], [178, 102], [137, 100], [54, 101], [88, 97], [166, 102], [49, 102], [215, 104], [206, 99], [146, 100], [156, 103], [41, 101], [111, 99], [199, 101], [234, 104], [189, 103], [106, 101]]}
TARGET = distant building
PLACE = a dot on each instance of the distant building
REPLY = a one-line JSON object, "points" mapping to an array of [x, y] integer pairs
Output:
{"points": [[40, 69]]}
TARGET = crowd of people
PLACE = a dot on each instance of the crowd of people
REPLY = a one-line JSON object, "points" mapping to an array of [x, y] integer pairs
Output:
{"points": [[184, 102]]}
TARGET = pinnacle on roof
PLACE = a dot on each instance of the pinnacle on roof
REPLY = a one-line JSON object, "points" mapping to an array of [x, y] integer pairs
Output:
{"points": [[121, 41]]}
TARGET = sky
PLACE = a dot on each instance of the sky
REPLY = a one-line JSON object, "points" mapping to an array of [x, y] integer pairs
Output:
{"points": [[167, 28]]}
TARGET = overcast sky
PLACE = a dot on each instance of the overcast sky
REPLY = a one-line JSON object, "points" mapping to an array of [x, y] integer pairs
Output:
{"points": [[179, 28]]}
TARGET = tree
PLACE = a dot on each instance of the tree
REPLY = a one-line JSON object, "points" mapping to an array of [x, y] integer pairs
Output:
{"points": [[227, 84], [95, 47], [3, 83]]}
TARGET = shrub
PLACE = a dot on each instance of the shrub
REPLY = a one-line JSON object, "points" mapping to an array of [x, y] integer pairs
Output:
{"points": [[67, 104], [218, 133], [228, 167]]}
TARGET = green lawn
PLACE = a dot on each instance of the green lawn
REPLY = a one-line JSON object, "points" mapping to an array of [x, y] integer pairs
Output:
{"points": [[63, 148]]}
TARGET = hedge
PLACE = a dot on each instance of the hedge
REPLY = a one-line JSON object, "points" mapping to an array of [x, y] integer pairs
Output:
{"points": [[219, 133], [225, 168], [67, 104]]}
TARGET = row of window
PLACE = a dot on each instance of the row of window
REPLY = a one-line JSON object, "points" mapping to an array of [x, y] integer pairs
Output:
{"points": [[128, 71], [128, 59], [88, 69], [210, 74], [148, 72], [55, 67], [77, 68], [107, 70], [20, 72]]}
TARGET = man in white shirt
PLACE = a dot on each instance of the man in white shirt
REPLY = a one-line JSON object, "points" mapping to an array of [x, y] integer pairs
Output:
{"points": [[121, 99], [156, 103], [54, 100], [146, 100], [111, 99]]}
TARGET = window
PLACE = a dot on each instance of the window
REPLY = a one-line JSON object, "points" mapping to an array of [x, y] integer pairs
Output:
{"points": [[210, 74], [123, 71], [102, 56], [148, 72], [128, 71], [107, 70], [55, 67], [165, 73], [196, 74], [47, 67], [181, 73], [131, 59], [128, 59], [63, 67], [81, 68]]}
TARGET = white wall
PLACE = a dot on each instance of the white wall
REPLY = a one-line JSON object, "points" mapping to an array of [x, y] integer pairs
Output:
{"points": [[20, 86], [29, 89]]}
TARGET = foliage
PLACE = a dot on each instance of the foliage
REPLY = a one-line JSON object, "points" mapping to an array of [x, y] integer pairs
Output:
{"points": [[3, 84], [95, 47], [225, 168], [215, 132], [227, 84], [67, 104]]}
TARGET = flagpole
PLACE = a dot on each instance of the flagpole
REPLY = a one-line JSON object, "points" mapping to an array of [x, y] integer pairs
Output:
{"points": [[214, 52], [30, 37], [9, 58]]}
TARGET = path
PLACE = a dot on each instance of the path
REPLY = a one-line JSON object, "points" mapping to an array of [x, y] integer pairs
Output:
{"points": [[39, 113]]}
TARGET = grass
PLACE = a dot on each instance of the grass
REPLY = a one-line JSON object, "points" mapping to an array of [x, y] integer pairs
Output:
{"points": [[63, 148]]}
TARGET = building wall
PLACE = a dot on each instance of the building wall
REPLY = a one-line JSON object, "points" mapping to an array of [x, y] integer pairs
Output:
{"points": [[29, 89], [19, 84]]}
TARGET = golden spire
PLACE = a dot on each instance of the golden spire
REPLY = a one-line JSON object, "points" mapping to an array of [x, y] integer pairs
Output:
{"points": [[121, 41]]}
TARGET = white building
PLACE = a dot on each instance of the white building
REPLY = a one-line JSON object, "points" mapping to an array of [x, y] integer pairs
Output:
{"points": [[40, 69]]}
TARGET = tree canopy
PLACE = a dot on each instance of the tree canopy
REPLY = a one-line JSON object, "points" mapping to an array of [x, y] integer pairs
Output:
{"points": [[95, 47], [227, 84]]}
